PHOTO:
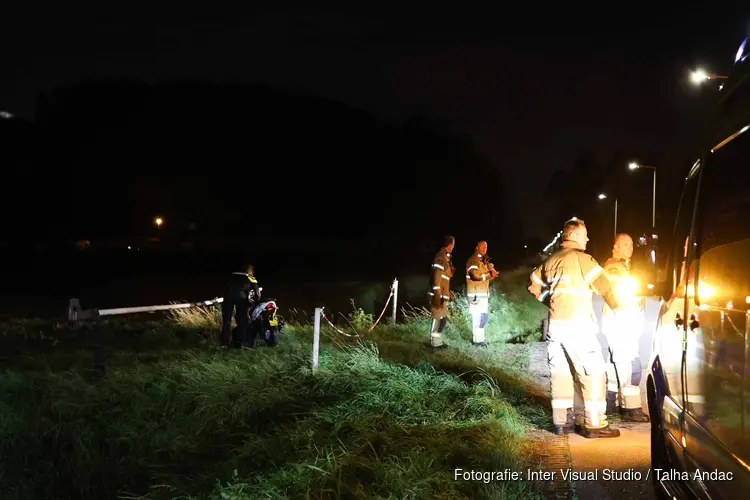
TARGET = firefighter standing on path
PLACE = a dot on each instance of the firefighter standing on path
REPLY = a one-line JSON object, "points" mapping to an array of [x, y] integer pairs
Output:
{"points": [[242, 291], [440, 291], [478, 277], [623, 332], [566, 280]]}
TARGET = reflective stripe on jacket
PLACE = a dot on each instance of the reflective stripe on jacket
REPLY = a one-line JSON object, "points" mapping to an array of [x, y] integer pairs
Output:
{"points": [[477, 277], [567, 280], [440, 277]]}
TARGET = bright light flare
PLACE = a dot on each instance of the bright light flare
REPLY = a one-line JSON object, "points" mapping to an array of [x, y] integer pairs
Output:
{"points": [[602, 196], [633, 166], [698, 76], [627, 287], [705, 291], [158, 221]]}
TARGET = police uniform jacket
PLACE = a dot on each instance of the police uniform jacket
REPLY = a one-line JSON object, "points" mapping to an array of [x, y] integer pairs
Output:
{"points": [[242, 287]]}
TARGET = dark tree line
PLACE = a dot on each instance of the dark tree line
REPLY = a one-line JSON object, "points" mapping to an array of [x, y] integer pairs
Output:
{"points": [[246, 165]]}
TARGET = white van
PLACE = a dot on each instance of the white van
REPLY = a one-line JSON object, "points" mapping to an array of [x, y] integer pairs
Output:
{"points": [[698, 385]]}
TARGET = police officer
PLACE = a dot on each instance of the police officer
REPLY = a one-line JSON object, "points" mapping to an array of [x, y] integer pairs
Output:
{"points": [[478, 277], [565, 281], [622, 333], [241, 292], [440, 291]]}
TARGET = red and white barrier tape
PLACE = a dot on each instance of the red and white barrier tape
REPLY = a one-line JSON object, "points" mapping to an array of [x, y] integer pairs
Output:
{"points": [[334, 326], [383, 311], [373, 325]]}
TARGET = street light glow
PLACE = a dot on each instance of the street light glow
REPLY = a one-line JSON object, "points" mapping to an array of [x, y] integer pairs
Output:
{"points": [[602, 196], [158, 221], [633, 166]]}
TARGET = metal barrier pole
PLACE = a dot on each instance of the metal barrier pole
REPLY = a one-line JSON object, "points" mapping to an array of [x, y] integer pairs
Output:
{"points": [[75, 313], [316, 338], [395, 300]]}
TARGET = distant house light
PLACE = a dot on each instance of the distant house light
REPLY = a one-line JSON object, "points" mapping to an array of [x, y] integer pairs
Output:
{"points": [[6, 115]]}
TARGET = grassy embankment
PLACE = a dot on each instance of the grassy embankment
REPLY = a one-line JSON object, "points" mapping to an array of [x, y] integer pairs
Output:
{"points": [[384, 417]]}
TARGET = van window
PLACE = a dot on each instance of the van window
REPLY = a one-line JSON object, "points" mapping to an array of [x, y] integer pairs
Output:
{"points": [[723, 292], [677, 263]]}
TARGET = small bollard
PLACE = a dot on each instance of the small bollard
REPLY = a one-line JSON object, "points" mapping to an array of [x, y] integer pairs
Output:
{"points": [[316, 338]]}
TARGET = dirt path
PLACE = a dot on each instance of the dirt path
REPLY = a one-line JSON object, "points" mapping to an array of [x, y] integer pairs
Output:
{"points": [[625, 459]]}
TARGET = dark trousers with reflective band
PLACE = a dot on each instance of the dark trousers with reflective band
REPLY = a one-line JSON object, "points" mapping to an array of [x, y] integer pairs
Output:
{"points": [[240, 308], [623, 362], [479, 311], [623, 381]]}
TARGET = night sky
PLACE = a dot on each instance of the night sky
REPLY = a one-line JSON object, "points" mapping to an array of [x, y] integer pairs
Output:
{"points": [[530, 91]]}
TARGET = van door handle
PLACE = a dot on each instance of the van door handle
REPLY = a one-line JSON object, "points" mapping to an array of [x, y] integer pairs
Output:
{"points": [[694, 323]]}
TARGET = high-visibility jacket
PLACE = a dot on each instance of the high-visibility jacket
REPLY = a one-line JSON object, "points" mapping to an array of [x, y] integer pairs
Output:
{"points": [[618, 272], [477, 277], [567, 280], [440, 279]]}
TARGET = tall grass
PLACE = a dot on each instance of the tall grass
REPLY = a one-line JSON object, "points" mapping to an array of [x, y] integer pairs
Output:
{"points": [[383, 417]]}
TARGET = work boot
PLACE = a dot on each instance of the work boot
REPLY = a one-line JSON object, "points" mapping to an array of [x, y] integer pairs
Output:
{"points": [[634, 415], [480, 344], [564, 429], [612, 408], [604, 432], [570, 424]]}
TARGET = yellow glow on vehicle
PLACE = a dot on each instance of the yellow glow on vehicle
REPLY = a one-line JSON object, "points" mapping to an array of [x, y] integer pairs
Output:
{"points": [[705, 291]]}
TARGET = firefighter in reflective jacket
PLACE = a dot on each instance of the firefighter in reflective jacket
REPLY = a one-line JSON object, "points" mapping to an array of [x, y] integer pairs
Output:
{"points": [[478, 277], [440, 291], [623, 332], [565, 282]]}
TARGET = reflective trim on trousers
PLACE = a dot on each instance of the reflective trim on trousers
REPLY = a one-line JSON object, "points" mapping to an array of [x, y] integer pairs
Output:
{"points": [[562, 403], [631, 390]]}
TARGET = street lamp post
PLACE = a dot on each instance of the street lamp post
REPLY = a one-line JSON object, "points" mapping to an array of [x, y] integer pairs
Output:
{"points": [[635, 166], [603, 196]]}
